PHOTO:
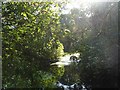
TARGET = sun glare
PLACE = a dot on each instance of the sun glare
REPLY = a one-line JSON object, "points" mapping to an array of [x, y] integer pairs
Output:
{"points": [[75, 4], [80, 3]]}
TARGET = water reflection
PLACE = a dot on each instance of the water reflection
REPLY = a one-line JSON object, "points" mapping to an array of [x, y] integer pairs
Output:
{"points": [[66, 60]]}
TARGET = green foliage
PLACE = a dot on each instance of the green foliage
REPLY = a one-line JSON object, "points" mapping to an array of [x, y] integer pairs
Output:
{"points": [[30, 38], [57, 71], [71, 74], [59, 52], [32, 35], [44, 79], [95, 38], [92, 65]]}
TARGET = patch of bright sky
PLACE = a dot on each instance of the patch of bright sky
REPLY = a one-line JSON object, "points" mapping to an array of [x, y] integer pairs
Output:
{"points": [[75, 4], [85, 4], [90, 0]]}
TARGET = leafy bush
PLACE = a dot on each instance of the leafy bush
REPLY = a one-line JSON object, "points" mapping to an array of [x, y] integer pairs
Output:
{"points": [[30, 38]]}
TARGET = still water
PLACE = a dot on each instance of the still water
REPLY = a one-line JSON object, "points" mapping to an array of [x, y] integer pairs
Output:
{"points": [[65, 60]]}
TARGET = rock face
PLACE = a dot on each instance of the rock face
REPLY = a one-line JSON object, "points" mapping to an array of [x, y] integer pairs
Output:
{"points": [[75, 86], [74, 58]]}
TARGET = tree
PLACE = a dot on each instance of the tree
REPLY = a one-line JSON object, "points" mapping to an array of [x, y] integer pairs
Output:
{"points": [[95, 38], [30, 42]]}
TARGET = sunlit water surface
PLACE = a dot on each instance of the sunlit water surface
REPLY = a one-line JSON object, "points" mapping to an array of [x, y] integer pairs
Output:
{"points": [[65, 60]]}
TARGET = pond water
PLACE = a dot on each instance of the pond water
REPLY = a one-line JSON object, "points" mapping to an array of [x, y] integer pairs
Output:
{"points": [[65, 60]]}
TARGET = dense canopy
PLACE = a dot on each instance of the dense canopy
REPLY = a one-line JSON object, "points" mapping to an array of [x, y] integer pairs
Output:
{"points": [[37, 34]]}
